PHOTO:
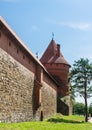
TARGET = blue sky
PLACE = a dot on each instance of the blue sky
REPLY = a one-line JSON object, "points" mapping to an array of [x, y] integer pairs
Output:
{"points": [[35, 20]]}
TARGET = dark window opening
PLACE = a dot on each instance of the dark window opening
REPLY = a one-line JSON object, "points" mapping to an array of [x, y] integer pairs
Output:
{"points": [[0, 34], [41, 116], [17, 51], [64, 65], [9, 43], [23, 57]]}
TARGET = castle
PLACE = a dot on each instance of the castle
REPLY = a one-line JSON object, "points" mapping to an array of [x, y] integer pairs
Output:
{"points": [[31, 89]]}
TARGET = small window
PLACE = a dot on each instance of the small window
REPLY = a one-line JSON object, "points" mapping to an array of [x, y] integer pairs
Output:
{"points": [[64, 65], [23, 57], [9, 43], [17, 51], [0, 34]]}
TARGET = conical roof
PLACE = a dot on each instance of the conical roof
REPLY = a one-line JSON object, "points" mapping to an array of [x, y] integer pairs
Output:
{"points": [[53, 54]]}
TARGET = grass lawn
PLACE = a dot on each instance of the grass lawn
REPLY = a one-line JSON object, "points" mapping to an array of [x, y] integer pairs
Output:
{"points": [[57, 122]]}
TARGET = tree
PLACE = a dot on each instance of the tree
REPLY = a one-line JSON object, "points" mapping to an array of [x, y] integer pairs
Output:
{"points": [[79, 108], [72, 94], [81, 77], [90, 109]]}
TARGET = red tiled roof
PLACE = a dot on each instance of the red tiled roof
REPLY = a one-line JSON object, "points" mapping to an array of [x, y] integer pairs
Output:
{"points": [[49, 52], [50, 55]]}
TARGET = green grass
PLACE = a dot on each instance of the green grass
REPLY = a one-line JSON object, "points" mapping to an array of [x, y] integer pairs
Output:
{"points": [[57, 122]]}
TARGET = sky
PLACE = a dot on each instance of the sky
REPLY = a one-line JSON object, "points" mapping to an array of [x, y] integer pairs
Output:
{"points": [[35, 20]]}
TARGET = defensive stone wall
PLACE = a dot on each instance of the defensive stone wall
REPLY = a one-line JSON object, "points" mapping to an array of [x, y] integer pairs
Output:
{"points": [[27, 90], [16, 93], [16, 90], [49, 97], [49, 103]]}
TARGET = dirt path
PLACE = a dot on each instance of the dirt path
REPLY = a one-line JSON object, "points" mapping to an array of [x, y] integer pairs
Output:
{"points": [[90, 119]]}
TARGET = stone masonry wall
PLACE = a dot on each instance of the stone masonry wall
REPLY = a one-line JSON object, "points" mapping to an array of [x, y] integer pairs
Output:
{"points": [[49, 103], [49, 97], [18, 71], [16, 90]]}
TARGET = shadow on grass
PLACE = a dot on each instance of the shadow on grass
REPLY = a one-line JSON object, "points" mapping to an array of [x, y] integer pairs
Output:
{"points": [[61, 120]]}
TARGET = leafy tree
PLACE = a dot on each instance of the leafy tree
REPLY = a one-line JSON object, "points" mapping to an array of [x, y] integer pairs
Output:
{"points": [[81, 77], [90, 109], [72, 94], [79, 108]]}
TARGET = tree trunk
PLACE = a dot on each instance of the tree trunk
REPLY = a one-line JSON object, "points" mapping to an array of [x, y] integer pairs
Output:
{"points": [[85, 96]]}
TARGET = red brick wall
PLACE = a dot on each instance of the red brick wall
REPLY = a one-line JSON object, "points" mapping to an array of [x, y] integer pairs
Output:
{"points": [[49, 81], [16, 52], [60, 72]]}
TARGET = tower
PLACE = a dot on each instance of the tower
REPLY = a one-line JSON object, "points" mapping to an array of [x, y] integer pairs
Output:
{"points": [[57, 66], [55, 63]]}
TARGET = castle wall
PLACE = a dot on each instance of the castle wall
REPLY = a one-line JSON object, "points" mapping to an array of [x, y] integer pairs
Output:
{"points": [[49, 97], [18, 72], [16, 90], [13, 48]]}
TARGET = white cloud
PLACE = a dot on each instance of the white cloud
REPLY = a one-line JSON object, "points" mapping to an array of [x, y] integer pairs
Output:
{"points": [[79, 26], [74, 25]]}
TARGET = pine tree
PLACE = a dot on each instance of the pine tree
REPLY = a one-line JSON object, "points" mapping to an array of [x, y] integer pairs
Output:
{"points": [[81, 77]]}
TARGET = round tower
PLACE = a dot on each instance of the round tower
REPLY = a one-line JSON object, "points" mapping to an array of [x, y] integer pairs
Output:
{"points": [[57, 66]]}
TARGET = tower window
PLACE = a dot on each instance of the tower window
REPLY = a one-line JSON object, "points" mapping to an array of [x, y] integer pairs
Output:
{"points": [[0, 34], [17, 51], [23, 57], [9, 43]]}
